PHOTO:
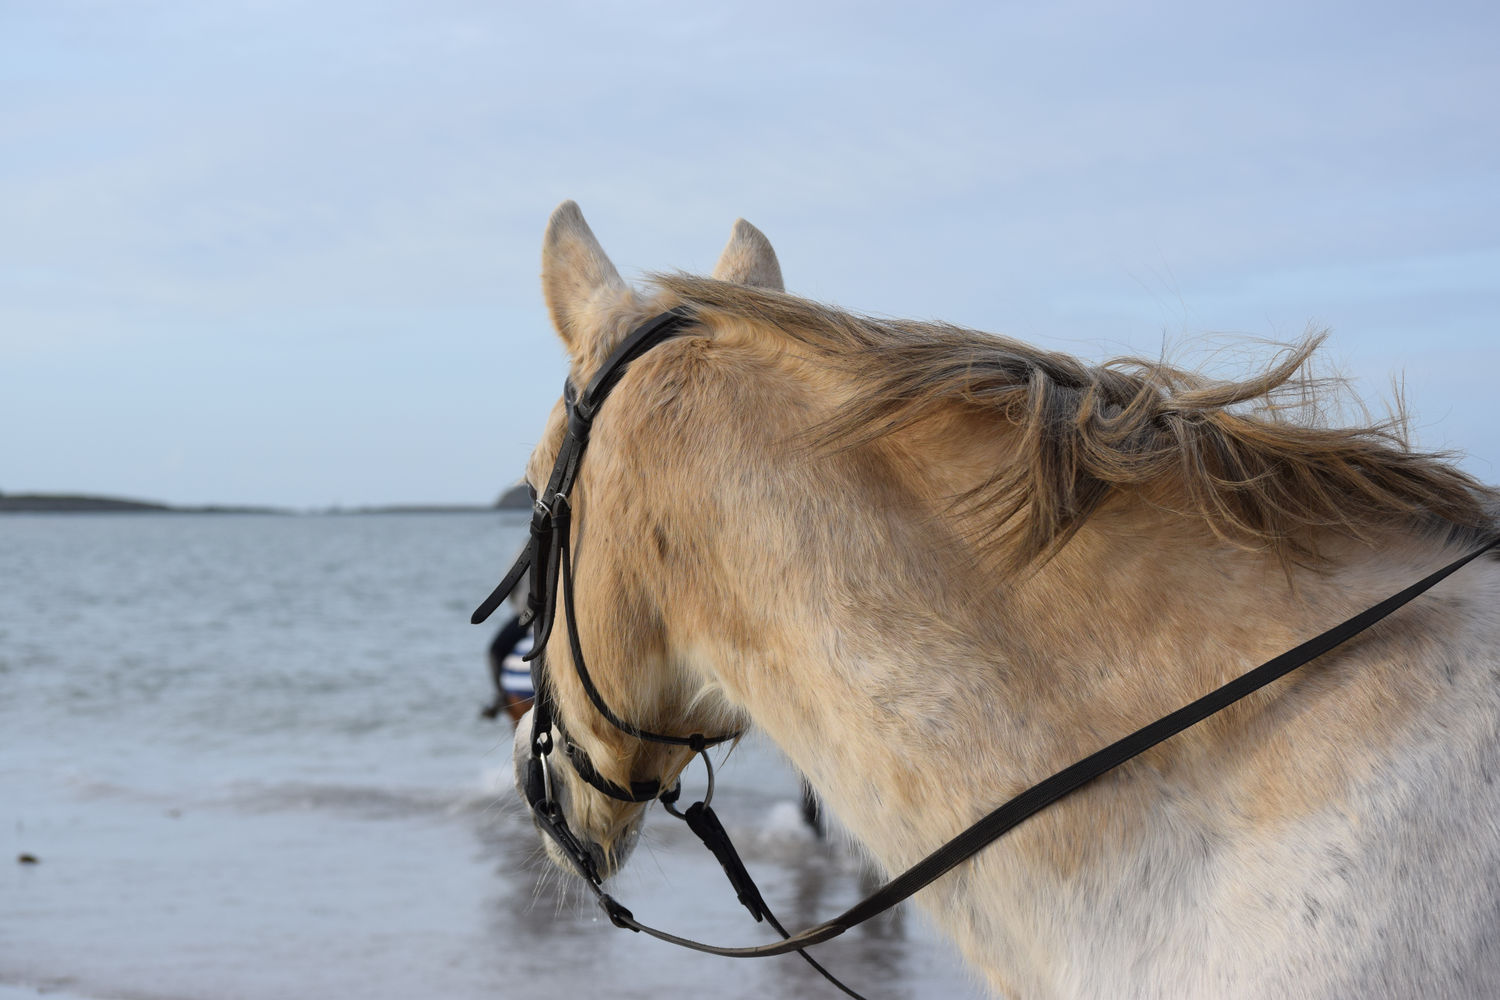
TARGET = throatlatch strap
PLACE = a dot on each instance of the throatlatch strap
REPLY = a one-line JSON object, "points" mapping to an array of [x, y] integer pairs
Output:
{"points": [[505, 586]]}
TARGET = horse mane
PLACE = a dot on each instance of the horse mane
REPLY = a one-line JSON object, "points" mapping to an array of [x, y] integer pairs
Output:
{"points": [[1252, 459]]}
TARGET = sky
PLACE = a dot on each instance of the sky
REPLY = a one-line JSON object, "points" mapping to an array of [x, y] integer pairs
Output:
{"points": [[267, 252]]}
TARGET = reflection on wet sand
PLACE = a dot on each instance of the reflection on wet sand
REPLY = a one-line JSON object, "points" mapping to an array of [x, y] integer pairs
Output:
{"points": [[870, 958], [543, 923]]}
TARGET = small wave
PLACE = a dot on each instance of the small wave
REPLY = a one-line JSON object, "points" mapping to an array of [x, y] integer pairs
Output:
{"points": [[494, 793], [49, 991], [362, 801]]}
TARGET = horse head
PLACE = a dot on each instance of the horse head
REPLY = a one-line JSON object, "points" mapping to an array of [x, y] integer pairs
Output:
{"points": [[622, 572]]}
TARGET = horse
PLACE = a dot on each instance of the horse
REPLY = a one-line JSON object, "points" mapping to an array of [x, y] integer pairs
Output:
{"points": [[935, 565]]}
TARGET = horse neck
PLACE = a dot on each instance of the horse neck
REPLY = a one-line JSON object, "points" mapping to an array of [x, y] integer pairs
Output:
{"points": [[918, 688]]}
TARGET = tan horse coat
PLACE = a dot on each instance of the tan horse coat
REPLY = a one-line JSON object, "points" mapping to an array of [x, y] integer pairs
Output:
{"points": [[934, 567]]}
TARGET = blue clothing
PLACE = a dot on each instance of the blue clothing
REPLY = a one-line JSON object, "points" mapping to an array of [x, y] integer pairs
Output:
{"points": [[515, 673]]}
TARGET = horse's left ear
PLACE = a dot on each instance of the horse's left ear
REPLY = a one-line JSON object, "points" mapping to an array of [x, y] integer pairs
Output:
{"points": [[749, 260], [578, 280]]}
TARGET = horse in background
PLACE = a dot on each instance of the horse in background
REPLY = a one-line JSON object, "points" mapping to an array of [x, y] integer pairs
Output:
{"points": [[935, 566]]}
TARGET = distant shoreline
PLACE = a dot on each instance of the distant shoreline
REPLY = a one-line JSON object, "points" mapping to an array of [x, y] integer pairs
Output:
{"points": [[68, 503]]}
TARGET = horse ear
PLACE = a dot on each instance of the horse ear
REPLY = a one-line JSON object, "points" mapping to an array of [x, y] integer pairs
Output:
{"points": [[749, 260], [577, 277]]}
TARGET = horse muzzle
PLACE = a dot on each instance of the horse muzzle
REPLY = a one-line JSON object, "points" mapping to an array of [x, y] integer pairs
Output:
{"points": [[548, 794]]}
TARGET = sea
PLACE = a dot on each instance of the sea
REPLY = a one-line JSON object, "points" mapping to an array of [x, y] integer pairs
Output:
{"points": [[241, 758]]}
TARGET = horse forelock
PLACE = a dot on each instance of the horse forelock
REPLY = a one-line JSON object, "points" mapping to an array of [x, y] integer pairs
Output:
{"points": [[1252, 459]]}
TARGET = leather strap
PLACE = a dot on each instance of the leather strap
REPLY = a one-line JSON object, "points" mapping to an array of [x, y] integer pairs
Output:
{"points": [[547, 557], [696, 742]]}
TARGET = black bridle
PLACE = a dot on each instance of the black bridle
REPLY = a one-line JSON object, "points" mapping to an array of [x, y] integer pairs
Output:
{"points": [[546, 556]]}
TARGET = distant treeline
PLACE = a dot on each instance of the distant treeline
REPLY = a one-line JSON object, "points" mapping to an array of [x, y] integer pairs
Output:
{"points": [[66, 503], [63, 503]]}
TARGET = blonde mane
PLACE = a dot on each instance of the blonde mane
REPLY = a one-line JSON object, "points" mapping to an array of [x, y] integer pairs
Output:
{"points": [[1248, 458]]}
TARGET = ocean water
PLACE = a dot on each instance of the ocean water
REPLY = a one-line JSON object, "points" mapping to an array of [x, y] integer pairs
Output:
{"points": [[245, 752]]}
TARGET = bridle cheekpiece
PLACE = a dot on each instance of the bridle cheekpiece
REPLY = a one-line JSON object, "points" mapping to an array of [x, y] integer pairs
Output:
{"points": [[547, 559]]}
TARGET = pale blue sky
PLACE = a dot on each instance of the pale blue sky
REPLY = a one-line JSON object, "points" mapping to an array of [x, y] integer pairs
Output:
{"points": [[286, 253]]}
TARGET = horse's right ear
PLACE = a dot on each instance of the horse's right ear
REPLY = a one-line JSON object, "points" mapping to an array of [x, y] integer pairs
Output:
{"points": [[578, 281], [749, 260]]}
